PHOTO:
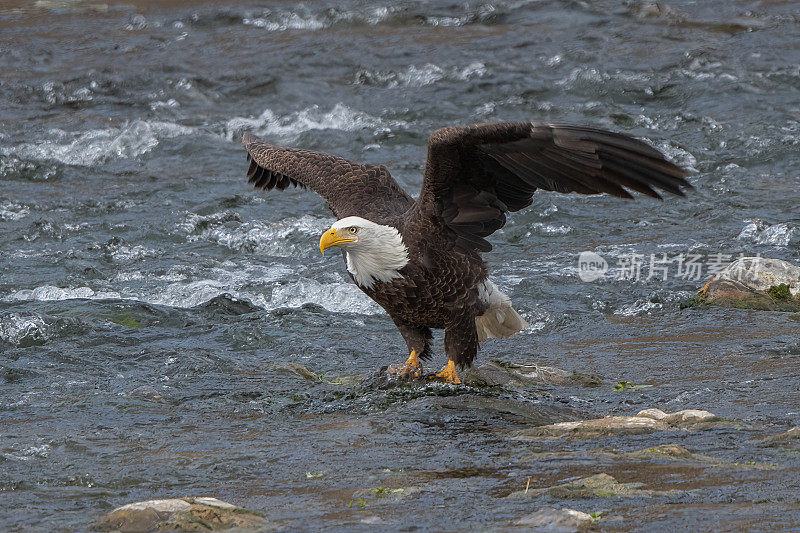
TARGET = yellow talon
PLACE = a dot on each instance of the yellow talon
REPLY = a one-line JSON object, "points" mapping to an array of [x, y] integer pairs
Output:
{"points": [[448, 373], [413, 360], [704, 289], [411, 369]]}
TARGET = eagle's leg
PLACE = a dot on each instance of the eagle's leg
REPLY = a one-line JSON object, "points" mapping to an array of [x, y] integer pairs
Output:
{"points": [[418, 342], [461, 346]]}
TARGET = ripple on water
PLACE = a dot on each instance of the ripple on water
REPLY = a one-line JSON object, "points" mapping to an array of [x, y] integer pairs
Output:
{"points": [[12, 167], [26, 453]]}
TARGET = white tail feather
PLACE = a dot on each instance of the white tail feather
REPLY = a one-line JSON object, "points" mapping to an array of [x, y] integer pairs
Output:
{"points": [[500, 320]]}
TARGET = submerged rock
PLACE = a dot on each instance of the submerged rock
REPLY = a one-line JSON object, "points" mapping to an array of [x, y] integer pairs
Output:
{"points": [[646, 421], [787, 438], [754, 283], [181, 514], [476, 410], [558, 520], [596, 486], [385, 493], [503, 373]]}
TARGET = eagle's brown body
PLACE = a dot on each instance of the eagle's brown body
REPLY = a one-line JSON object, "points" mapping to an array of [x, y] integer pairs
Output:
{"points": [[438, 290], [473, 176]]}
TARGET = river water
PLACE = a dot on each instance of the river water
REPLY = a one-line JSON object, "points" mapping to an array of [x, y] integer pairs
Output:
{"points": [[152, 304]]}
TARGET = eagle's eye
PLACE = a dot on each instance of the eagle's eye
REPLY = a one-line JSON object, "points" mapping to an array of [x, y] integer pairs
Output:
{"points": [[353, 230]]}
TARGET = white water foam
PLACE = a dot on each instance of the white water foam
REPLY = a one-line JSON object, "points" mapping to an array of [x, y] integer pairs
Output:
{"points": [[639, 307], [96, 146], [759, 232], [264, 238], [302, 18], [415, 76], [540, 228], [51, 292], [15, 327], [12, 211], [342, 297], [338, 297], [287, 20], [340, 117]]}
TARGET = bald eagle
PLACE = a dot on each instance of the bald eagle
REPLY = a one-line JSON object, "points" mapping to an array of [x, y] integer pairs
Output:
{"points": [[420, 259]]}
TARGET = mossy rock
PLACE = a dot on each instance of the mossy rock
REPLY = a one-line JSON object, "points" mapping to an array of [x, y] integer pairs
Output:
{"points": [[757, 283], [729, 293]]}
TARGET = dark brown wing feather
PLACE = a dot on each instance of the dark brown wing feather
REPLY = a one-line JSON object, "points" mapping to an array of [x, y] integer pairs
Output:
{"points": [[350, 189], [475, 174]]}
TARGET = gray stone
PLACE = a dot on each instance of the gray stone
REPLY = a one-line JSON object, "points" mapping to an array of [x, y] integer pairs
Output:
{"points": [[181, 514]]}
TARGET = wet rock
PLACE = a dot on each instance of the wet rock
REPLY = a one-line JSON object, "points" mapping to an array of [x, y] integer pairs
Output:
{"points": [[503, 373], [754, 283], [227, 305], [558, 520], [646, 421], [596, 486], [293, 368], [181, 514], [787, 438]]}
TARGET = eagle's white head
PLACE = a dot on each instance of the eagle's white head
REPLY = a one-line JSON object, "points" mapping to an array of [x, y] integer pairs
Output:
{"points": [[374, 252]]}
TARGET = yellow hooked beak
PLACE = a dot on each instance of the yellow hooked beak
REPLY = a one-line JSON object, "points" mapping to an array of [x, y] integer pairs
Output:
{"points": [[332, 238]]}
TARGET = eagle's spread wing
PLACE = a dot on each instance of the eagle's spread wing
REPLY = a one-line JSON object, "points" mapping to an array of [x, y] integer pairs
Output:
{"points": [[349, 188], [475, 174]]}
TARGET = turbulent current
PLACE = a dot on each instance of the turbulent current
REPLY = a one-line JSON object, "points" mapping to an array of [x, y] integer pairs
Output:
{"points": [[154, 308]]}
